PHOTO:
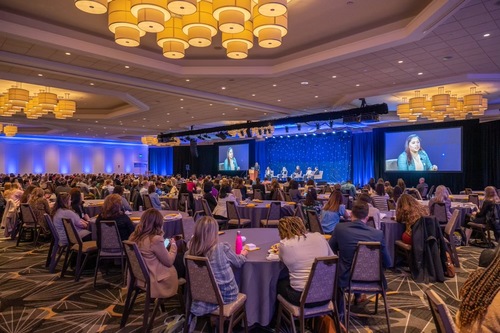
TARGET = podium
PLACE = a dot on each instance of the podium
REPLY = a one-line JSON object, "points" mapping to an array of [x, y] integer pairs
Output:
{"points": [[253, 174]]}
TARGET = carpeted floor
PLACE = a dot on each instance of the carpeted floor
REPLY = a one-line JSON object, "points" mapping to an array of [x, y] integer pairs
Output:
{"points": [[33, 300]]}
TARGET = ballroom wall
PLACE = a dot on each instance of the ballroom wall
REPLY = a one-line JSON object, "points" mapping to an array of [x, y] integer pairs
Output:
{"points": [[24, 154]]}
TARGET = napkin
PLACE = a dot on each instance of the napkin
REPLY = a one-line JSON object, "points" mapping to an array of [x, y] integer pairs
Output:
{"points": [[291, 203], [268, 205], [135, 218], [257, 200], [273, 257], [251, 205], [251, 247]]}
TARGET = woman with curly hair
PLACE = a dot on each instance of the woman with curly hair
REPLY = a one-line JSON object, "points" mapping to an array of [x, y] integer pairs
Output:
{"points": [[479, 310], [408, 211]]}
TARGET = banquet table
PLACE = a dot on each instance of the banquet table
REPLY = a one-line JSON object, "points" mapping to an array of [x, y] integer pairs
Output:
{"points": [[392, 232], [481, 192], [324, 197], [257, 211], [173, 201], [174, 223], [463, 198], [258, 277], [93, 207]]}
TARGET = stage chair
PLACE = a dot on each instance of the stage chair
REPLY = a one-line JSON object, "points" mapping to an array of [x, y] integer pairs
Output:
{"points": [[109, 245], [442, 317], [273, 212]]}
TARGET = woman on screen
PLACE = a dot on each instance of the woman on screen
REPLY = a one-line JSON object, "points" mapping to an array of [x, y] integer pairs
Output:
{"points": [[230, 161], [414, 158]]}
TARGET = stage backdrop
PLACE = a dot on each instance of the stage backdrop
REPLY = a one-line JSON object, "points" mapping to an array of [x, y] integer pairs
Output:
{"points": [[331, 153], [26, 154]]}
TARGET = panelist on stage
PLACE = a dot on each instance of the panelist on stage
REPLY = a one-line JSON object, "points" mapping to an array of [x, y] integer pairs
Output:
{"points": [[297, 173], [284, 173], [309, 174], [269, 173]]}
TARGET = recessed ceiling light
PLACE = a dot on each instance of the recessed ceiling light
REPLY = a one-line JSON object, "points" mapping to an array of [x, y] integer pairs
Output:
{"points": [[265, 113], [274, 85], [78, 120], [334, 76], [279, 100], [182, 107], [223, 113], [143, 118], [304, 83], [192, 117], [168, 121], [91, 83], [400, 61], [127, 66], [168, 113], [223, 88], [357, 85], [236, 109], [210, 104], [253, 95], [158, 125], [316, 96], [143, 125], [182, 99], [97, 121], [486, 35], [67, 53], [187, 80], [420, 73], [39, 74]]}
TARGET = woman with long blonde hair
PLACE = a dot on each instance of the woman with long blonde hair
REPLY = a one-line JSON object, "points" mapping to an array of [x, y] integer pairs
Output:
{"points": [[159, 260], [205, 243], [442, 196], [408, 211]]}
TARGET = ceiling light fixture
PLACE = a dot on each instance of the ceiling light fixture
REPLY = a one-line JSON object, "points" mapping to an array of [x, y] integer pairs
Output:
{"points": [[183, 23]]}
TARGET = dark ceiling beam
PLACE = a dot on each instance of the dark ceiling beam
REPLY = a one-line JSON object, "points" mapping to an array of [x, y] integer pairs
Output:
{"points": [[324, 116]]}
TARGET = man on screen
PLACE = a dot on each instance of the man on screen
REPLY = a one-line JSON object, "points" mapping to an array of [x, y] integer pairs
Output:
{"points": [[414, 158], [230, 161]]}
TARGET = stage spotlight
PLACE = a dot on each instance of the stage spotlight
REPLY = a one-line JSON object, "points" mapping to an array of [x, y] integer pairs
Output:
{"points": [[260, 131], [286, 129], [288, 136], [221, 135], [324, 133], [201, 137], [281, 136], [207, 136], [314, 134], [345, 131], [296, 135], [334, 132], [299, 127], [305, 134], [318, 126], [242, 132]]}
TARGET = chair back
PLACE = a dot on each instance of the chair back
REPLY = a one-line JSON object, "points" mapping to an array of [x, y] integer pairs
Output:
{"points": [[137, 267], [109, 239], [468, 191], [367, 263], [71, 233], [281, 195], [371, 222], [288, 197], [136, 200], [440, 212], [442, 318], [274, 212], [451, 225], [201, 280], [423, 192], [147, 202], [314, 223], [257, 194], [206, 208], [391, 205], [184, 202], [431, 192], [300, 213], [27, 214], [268, 187], [237, 194], [345, 199], [322, 281], [474, 198], [232, 212], [449, 190], [414, 193], [53, 231], [105, 193]]}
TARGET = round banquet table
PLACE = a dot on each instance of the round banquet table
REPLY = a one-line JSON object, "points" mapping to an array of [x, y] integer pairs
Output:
{"points": [[323, 197], [93, 207], [174, 223], [258, 277], [173, 202], [260, 210], [392, 232]]}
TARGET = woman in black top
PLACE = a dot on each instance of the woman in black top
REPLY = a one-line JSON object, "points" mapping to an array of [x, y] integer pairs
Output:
{"points": [[182, 190], [207, 189], [77, 204]]}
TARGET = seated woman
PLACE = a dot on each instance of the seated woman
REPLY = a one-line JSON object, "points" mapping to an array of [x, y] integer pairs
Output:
{"points": [[294, 191], [155, 199], [442, 196], [479, 309], [61, 210], [77, 204], [275, 190], [380, 197], [112, 211], [408, 211], [240, 186], [160, 262], [207, 195], [220, 211], [490, 199], [184, 190], [297, 250], [125, 204], [332, 212], [205, 243], [40, 206], [398, 189], [312, 202]]}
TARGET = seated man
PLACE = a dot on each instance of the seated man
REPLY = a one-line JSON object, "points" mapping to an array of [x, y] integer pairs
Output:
{"points": [[297, 173], [316, 171], [345, 238], [422, 187], [348, 188]]}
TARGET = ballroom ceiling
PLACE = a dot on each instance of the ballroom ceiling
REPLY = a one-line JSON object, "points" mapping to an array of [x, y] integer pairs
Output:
{"points": [[335, 52]]}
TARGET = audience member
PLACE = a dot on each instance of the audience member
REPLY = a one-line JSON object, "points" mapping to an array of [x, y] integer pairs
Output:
{"points": [[112, 211], [60, 211], [332, 212], [441, 196], [220, 211], [408, 211]]}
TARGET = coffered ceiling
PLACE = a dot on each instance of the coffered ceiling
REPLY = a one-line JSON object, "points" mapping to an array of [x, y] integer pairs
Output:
{"points": [[335, 52]]}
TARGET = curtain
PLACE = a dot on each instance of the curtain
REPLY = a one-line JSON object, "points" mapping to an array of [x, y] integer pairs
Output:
{"points": [[161, 160], [362, 158], [261, 157]]}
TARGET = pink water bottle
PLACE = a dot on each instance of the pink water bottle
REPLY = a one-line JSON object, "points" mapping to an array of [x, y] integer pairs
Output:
{"points": [[239, 243]]}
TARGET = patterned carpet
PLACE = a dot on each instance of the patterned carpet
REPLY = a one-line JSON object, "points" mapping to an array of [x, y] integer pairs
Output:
{"points": [[33, 300]]}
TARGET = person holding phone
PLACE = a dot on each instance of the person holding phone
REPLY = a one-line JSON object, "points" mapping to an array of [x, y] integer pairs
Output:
{"points": [[159, 260]]}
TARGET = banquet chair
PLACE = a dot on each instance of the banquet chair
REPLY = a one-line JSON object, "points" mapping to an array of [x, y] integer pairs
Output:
{"points": [[208, 212], [184, 204], [314, 223], [203, 287], [234, 219], [299, 212], [281, 195], [10, 219], [320, 287], [257, 194], [136, 199], [367, 275], [76, 245], [468, 191], [147, 201], [440, 213], [391, 205], [288, 198], [56, 249], [474, 198], [431, 192], [449, 190], [237, 194], [442, 318], [28, 224], [140, 282], [449, 236], [485, 229], [273, 215], [109, 246], [346, 201], [414, 193]]}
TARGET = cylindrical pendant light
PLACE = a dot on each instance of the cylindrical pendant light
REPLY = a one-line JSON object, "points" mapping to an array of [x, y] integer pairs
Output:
{"points": [[151, 14], [92, 6], [269, 30], [172, 39], [201, 26], [123, 24], [232, 14], [237, 45]]}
